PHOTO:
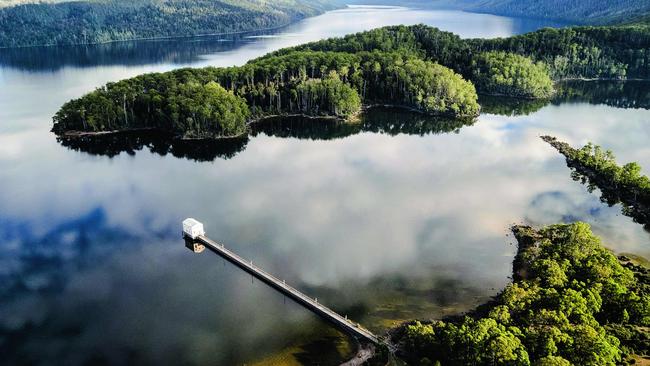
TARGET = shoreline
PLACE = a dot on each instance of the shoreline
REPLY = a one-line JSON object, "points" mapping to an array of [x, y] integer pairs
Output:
{"points": [[160, 38], [354, 118], [601, 79], [364, 353], [170, 37], [76, 134], [526, 237]]}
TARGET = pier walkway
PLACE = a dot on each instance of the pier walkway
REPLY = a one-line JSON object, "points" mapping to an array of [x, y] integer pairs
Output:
{"points": [[342, 323]]}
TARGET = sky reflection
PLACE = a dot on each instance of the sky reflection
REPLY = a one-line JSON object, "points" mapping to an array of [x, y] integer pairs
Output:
{"points": [[381, 226]]}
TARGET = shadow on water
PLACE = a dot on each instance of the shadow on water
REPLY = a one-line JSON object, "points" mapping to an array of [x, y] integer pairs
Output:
{"points": [[391, 299], [504, 106], [619, 94]]}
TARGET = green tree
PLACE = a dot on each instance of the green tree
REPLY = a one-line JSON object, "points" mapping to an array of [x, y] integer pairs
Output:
{"points": [[510, 74]]}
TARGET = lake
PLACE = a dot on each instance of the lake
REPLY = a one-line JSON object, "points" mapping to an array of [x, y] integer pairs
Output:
{"points": [[395, 218]]}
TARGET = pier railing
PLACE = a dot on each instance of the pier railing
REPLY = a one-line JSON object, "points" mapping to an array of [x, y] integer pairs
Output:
{"points": [[309, 303]]}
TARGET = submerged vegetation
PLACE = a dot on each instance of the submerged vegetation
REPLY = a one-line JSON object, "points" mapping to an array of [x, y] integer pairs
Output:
{"points": [[417, 67], [618, 184], [571, 302]]}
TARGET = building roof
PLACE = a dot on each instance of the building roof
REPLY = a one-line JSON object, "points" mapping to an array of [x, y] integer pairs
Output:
{"points": [[191, 222]]}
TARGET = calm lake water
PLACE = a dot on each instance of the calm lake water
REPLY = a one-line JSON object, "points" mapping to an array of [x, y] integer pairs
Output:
{"points": [[396, 218]]}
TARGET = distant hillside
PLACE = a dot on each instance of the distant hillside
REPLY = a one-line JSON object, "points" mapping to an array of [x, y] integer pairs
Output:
{"points": [[5, 3], [52, 22], [574, 11]]}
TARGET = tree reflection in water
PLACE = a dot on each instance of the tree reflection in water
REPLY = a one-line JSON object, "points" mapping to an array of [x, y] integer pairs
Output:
{"points": [[619, 94], [157, 142], [376, 120], [389, 121]]}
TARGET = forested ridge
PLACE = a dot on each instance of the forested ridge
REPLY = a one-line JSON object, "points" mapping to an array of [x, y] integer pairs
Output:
{"points": [[574, 11], [572, 303], [98, 21]]}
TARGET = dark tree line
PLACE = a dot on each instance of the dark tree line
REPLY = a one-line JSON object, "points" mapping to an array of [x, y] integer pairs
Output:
{"points": [[391, 121], [616, 52]]}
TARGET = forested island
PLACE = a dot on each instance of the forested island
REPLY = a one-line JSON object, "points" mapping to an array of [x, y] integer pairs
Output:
{"points": [[218, 102], [32, 23], [572, 302], [416, 67]]}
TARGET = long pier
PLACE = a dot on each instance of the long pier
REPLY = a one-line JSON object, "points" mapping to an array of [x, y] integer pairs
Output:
{"points": [[200, 242]]}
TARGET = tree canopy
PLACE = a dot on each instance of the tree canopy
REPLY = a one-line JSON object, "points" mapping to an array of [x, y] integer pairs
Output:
{"points": [[190, 110], [504, 73], [615, 52], [572, 302], [310, 83]]}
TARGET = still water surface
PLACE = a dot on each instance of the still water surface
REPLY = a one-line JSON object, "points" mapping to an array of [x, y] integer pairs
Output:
{"points": [[392, 219]]}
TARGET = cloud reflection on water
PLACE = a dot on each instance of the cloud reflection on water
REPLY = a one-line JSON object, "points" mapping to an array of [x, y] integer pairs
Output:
{"points": [[382, 227], [349, 219]]}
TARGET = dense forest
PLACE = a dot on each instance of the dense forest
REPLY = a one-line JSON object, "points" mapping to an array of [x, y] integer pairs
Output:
{"points": [[616, 52], [418, 67], [501, 73], [98, 21], [572, 303], [302, 82], [574, 11]]}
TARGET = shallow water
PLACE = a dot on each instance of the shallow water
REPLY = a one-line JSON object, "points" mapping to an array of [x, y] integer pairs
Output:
{"points": [[383, 221]]}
